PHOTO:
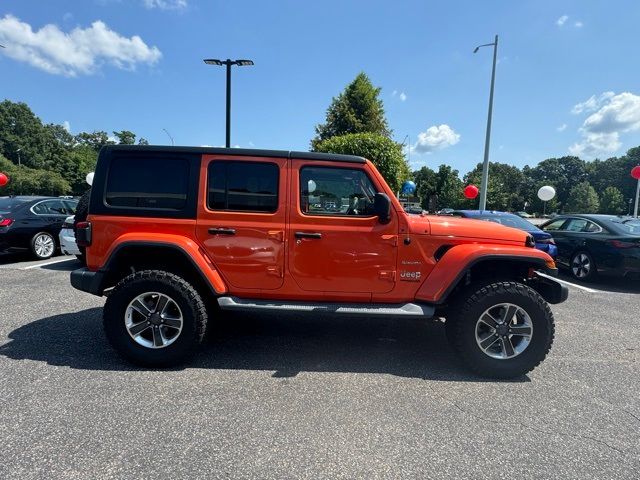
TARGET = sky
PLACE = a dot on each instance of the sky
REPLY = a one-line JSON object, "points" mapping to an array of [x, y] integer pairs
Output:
{"points": [[567, 80]]}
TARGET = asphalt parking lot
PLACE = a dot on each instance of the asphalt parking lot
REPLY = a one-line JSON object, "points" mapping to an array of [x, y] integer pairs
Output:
{"points": [[283, 397]]}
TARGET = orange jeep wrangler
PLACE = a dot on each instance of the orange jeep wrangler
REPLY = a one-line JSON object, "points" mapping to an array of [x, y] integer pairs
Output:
{"points": [[176, 236]]}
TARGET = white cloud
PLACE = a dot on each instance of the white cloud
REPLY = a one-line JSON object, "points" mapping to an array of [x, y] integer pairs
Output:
{"points": [[561, 21], [436, 137], [67, 126], [592, 104], [80, 51], [403, 96], [601, 130], [578, 24], [562, 127], [166, 4], [596, 144]]}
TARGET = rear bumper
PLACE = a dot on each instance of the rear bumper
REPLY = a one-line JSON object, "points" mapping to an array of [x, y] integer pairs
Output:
{"points": [[68, 242], [88, 281]]}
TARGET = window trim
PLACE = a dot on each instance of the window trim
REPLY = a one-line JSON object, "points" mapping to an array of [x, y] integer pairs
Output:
{"points": [[47, 214], [226, 189], [333, 215]]}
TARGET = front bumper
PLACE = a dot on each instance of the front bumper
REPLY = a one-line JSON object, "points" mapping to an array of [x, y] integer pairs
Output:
{"points": [[550, 289], [88, 281]]}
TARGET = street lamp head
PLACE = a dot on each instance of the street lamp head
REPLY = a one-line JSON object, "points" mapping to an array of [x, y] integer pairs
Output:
{"points": [[243, 63], [212, 61], [476, 50]]}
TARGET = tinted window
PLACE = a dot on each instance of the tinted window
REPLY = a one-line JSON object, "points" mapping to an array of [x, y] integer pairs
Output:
{"points": [[576, 225], [555, 225], [71, 206], [148, 183], [336, 191], [51, 207], [243, 186]]}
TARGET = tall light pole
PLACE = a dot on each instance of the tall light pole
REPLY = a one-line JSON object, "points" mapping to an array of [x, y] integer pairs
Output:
{"points": [[485, 164], [228, 63], [168, 135]]}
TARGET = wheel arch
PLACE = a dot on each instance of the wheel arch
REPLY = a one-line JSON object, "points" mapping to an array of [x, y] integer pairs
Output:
{"points": [[476, 266], [131, 256]]}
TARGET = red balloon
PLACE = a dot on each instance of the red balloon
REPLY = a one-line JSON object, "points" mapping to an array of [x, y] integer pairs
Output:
{"points": [[3, 179], [471, 191], [635, 172]]}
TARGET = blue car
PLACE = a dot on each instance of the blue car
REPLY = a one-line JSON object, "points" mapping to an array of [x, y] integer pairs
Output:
{"points": [[544, 240]]}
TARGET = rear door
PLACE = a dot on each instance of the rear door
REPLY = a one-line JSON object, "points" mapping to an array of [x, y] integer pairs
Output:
{"points": [[241, 218]]}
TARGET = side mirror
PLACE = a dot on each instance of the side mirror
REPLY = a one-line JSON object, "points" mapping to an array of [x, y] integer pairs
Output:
{"points": [[382, 207]]}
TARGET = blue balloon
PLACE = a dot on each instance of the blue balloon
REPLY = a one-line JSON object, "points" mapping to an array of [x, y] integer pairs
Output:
{"points": [[408, 187]]}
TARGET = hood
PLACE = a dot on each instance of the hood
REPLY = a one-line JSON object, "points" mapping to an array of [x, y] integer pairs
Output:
{"points": [[445, 226]]}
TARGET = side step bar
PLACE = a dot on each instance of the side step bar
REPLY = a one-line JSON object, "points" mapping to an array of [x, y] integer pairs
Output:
{"points": [[368, 309]]}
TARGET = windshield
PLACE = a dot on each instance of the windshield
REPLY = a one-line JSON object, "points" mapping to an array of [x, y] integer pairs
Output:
{"points": [[8, 204], [508, 221]]}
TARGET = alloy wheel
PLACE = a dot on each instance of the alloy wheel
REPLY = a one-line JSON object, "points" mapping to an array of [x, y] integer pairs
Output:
{"points": [[504, 331], [581, 265], [44, 245], [153, 320]]}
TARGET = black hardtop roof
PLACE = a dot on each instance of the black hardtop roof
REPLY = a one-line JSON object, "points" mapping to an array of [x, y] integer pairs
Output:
{"points": [[248, 152]]}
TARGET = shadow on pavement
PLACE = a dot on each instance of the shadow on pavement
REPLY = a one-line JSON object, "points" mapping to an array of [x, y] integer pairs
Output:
{"points": [[66, 266], [606, 283], [11, 257], [284, 344]]}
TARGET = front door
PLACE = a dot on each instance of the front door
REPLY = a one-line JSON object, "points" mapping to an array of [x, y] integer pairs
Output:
{"points": [[241, 220], [337, 244]]}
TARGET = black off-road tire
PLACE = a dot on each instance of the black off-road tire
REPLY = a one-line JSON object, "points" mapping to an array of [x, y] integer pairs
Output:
{"points": [[461, 328], [181, 292]]}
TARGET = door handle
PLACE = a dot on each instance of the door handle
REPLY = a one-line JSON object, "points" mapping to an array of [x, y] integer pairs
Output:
{"points": [[222, 231], [308, 235]]}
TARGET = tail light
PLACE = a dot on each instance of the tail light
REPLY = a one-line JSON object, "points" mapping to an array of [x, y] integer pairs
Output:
{"points": [[623, 244], [6, 222], [548, 241], [83, 234]]}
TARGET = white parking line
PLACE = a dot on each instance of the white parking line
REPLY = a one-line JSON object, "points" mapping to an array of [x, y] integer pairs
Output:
{"points": [[586, 289], [47, 263]]}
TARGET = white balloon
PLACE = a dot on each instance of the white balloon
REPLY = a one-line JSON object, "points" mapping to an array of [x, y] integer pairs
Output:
{"points": [[311, 186], [89, 178], [546, 193]]}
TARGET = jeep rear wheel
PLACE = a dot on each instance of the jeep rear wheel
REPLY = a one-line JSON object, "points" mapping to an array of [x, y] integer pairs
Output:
{"points": [[501, 330], [154, 318]]}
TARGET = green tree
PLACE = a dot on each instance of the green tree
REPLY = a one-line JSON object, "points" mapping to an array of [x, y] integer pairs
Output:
{"points": [[449, 188], [30, 181], [426, 182], [385, 154], [612, 202], [143, 141], [358, 109], [96, 139], [562, 173], [125, 137], [505, 190], [22, 136], [582, 199]]}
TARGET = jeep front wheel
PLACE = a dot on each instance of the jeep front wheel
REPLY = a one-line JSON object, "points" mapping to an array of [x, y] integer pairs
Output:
{"points": [[154, 318], [501, 330]]}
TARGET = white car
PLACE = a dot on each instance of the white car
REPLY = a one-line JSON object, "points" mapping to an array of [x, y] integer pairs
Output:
{"points": [[68, 238]]}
